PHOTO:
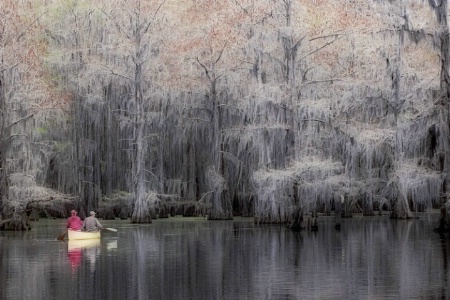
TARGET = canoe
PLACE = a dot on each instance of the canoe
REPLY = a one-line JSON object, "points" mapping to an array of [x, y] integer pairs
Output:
{"points": [[82, 235], [74, 245]]}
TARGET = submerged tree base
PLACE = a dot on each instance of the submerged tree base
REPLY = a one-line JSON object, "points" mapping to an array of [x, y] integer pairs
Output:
{"points": [[16, 223], [443, 222], [403, 215], [297, 222], [220, 215], [141, 220], [219, 218]]}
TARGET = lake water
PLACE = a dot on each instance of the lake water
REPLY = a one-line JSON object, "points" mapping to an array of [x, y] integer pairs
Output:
{"points": [[191, 258]]}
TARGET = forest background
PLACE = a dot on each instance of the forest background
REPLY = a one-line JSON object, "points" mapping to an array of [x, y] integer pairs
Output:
{"points": [[273, 109]]}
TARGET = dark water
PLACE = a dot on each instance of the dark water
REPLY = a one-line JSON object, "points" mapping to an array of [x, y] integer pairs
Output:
{"points": [[179, 258]]}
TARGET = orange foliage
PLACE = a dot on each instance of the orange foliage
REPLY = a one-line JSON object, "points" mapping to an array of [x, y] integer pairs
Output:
{"points": [[192, 29], [327, 16], [22, 48], [202, 29]]}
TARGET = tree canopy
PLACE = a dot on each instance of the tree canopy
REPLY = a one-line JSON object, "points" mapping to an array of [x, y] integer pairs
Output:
{"points": [[259, 108]]}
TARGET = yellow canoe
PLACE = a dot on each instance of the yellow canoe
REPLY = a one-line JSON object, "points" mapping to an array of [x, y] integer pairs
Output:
{"points": [[82, 235], [74, 245]]}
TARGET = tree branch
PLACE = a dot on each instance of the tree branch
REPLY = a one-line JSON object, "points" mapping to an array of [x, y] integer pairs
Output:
{"points": [[317, 49], [19, 34], [154, 16], [8, 68], [204, 67], [21, 119]]}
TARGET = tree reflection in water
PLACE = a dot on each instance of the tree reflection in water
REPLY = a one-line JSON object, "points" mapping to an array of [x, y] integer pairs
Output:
{"points": [[370, 257]]}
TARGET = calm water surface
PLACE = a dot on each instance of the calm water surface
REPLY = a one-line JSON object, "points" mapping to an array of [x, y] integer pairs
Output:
{"points": [[187, 258]]}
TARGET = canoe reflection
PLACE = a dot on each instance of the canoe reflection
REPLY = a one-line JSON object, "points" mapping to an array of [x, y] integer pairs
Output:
{"points": [[77, 248], [112, 245]]}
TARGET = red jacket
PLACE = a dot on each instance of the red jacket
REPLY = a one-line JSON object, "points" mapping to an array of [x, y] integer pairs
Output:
{"points": [[74, 223]]}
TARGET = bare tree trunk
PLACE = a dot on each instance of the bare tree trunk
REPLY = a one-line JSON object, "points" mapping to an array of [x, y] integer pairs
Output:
{"points": [[400, 209], [108, 151], [3, 183], [141, 211], [221, 207], [441, 10]]}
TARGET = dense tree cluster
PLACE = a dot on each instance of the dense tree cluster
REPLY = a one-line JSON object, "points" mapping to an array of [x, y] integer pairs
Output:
{"points": [[266, 108]]}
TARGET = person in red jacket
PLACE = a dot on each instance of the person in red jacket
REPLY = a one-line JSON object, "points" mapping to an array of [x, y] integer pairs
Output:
{"points": [[74, 222]]}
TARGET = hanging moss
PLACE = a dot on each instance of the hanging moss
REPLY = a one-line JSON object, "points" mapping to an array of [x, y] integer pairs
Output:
{"points": [[317, 113]]}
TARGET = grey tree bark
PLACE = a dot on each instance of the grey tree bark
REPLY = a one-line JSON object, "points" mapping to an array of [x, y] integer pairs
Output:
{"points": [[221, 208], [443, 42]]}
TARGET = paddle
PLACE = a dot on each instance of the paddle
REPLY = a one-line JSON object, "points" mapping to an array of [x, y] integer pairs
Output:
{"points": [[61, 237], [111, 229]]}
